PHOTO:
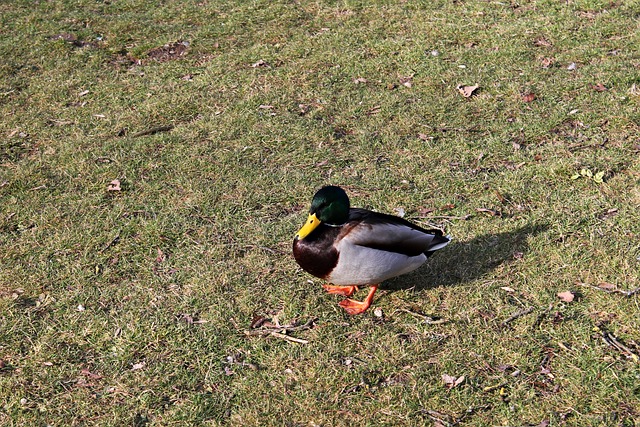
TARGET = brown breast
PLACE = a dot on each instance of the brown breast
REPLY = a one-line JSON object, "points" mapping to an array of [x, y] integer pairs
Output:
{"points": [[316, 253]]}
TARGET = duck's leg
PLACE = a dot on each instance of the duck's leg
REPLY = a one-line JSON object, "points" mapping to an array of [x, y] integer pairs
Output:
{"points": [[357, 307], [346, 291]]}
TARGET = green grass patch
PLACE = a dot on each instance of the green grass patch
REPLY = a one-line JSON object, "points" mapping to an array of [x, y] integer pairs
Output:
{"points": [[219, 120]]}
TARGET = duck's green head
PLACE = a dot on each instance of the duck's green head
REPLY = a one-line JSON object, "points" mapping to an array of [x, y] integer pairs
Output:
{"points": [[330, 206]]}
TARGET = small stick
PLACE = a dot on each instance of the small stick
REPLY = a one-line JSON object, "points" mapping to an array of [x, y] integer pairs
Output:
{"points": [[611, 340], [111, 243], [152, 131], [428, 319], [280, 332], [614, 291], [288, 338], [465, 217], [517, 314]]}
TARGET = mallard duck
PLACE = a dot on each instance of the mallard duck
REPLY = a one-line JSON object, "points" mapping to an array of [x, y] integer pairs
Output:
{"points": [[351, 247]]}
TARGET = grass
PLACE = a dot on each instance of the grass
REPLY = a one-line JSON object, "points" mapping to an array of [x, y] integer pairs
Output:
{"points": [[131, 307]]}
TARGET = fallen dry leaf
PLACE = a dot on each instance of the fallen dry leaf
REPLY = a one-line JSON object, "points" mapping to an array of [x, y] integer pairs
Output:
{"points": [[566, 296], [605, 285], [488, 211], [138, 366], [547, 62], [451, 381], [161, 256], [260, 63], [360, 80], [169, 51], [90, 374], [599, 87], [406, 81], [467, 91], [542, 42], [257, 321], [424, 211], [529, 97], [114, 185], [609, 213]]}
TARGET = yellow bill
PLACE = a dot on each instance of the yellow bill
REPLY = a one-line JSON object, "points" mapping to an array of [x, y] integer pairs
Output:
{"points": [[308, 227]]}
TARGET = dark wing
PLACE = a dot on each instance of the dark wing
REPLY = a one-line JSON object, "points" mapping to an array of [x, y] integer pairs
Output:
{"points": [[391, 233]]}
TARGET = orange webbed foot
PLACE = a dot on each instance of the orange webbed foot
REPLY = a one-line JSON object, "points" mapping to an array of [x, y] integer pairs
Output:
{"points": [[356, 307], [346, 291]]}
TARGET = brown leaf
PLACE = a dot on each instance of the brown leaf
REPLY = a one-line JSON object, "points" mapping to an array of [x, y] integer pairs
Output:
{"points": [[547, 62], [609, 213], [607, 286], [467, 91], [90, 374], [528, 97], [138, 366], [169, 51], [114, 185], [447, 207], [542, 42], [360, 80], [257, 321], [406, 81], [566, 296], [488, 211], [260, 63], [424, 211], [424, 137], [451, 381], [599, 87], [161, 256]]}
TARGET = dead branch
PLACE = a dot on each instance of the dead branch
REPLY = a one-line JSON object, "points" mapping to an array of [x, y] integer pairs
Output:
{"points": [[517, 314], [427, 319], [628, 293]]}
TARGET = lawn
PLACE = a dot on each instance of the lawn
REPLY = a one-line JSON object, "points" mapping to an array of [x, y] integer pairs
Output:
{"points": [[157, 158]]}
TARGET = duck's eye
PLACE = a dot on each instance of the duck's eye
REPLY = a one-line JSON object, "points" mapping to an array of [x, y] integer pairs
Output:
{"points": [[310, 221]]}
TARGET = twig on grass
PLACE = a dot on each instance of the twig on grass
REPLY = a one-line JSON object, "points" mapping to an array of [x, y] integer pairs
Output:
{"points": [[628, 293], [153, 131], [289, 338], [427, 319], [113, 242], [281, 331], [612, 341], [451, 217], [516, 315]]}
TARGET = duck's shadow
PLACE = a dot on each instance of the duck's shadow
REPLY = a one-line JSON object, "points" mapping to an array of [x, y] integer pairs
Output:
{"points": [[462, 262]]}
